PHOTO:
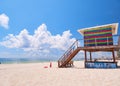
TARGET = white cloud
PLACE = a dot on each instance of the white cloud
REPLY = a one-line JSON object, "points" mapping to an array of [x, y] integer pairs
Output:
{"points": [[4, 20], [41, 42]]}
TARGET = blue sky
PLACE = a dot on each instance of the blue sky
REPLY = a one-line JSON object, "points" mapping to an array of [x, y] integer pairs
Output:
{"points": [[22, 22]]}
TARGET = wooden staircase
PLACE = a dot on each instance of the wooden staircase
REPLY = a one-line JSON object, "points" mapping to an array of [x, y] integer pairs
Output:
{"points": [[68, 55]]}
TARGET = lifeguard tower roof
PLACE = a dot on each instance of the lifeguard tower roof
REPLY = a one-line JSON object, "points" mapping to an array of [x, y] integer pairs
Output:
{"points": [[114, 27]]}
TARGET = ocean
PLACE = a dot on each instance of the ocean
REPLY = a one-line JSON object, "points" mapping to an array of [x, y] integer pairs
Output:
{"points": [[30, 60], [22, 60]]}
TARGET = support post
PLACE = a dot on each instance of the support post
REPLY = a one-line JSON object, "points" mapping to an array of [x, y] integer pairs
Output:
{"points": [[90, 56], [85, 56], [113, 55]]}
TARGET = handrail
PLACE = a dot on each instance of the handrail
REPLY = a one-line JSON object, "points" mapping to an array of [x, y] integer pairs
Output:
{"points": [[69, 51]]}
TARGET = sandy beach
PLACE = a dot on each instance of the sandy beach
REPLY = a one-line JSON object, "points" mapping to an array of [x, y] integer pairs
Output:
{"points": [[34, 74]]}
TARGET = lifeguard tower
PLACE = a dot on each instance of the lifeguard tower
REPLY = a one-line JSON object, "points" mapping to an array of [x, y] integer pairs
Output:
{"points": [[98, 38]]}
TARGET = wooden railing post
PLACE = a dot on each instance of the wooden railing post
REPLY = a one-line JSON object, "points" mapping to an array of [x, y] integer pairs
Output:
{"points": [[107, 41], [95, 41], [119, 40], [77, 43]]}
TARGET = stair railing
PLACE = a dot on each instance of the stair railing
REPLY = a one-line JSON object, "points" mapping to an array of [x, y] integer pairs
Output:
{"points": [[65, 56]]}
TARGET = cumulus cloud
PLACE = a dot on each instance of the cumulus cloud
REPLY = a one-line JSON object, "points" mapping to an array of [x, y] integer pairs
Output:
{"points": [[42, 41], [4, 20]]}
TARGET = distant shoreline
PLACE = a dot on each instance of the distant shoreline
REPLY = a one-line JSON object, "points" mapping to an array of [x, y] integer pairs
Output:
{"points": [[21, 60], [26, 60]]}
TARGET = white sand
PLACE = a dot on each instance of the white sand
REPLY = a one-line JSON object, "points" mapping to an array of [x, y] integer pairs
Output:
{"points": [[34, 74]]}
